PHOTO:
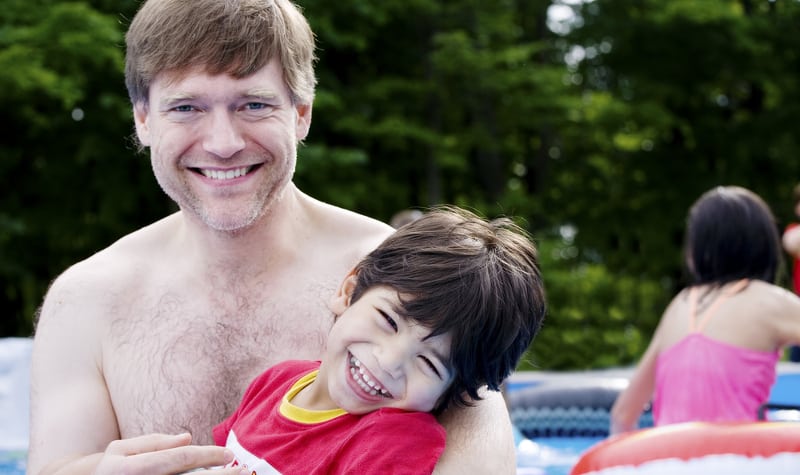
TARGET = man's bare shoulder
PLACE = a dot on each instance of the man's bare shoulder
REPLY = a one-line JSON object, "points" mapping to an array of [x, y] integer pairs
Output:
{"points": [[99, 280], [348, 229]]}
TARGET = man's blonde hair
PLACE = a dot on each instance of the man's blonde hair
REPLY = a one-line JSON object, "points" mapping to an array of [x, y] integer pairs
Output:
{"points": [[236, 37]]}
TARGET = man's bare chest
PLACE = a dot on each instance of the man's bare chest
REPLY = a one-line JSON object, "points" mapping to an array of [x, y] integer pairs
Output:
{"points": [[178, 364]]}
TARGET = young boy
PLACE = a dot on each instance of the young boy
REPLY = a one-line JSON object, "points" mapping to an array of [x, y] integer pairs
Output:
{"points": [[444, 306]]}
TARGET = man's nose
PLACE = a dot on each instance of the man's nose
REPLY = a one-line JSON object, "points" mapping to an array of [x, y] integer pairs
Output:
{"points": [[223, 138]]}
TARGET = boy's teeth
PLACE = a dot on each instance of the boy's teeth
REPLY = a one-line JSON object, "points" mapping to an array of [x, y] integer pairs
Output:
{"points": [[363, 379]]}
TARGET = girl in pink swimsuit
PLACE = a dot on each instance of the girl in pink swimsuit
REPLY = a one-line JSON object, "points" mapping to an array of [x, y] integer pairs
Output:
{"points": [[714, 354]]}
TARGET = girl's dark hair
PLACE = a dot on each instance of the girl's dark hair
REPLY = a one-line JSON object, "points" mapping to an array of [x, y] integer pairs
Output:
{"points": [[474, 279], [731, 234]]}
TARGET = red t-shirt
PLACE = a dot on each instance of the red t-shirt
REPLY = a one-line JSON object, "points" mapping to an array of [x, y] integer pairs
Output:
{"points": [[384, 441]]}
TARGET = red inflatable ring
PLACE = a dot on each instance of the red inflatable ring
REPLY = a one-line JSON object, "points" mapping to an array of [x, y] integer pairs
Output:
{"points": [[701, 448]]}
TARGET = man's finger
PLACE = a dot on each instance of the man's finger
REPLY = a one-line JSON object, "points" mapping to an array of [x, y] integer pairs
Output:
{"points": [[147, 443], [181, 459]]}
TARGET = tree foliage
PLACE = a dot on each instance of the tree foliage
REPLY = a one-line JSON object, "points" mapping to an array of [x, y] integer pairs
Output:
{"points": [[597, 135]]}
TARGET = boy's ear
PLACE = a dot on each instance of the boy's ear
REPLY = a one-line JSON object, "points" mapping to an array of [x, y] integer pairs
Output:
{"points": [[341, 299]]}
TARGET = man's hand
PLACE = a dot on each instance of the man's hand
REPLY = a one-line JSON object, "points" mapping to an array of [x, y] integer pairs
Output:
{"points": [[164, 454]]}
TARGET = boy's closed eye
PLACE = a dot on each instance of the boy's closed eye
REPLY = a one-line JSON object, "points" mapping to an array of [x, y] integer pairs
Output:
{"points": [[389, 320], [439, 370], [432, 366]]}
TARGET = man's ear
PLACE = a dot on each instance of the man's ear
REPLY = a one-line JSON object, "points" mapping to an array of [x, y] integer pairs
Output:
{"points": [[303, 124], [341, 299], [140, 115]]}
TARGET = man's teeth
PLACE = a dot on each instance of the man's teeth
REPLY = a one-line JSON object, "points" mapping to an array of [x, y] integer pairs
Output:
{"points": [[363, 379], [225, 174]]}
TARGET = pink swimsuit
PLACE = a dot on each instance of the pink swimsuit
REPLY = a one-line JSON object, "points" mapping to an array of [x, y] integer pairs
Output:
{"points": [[702, 379]]}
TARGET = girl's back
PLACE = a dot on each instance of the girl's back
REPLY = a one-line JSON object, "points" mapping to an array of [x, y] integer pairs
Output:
{"points": [[718, 351]]}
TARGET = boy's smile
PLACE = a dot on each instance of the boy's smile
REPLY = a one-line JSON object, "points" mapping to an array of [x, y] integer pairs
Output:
{"points": [[365, 380]]}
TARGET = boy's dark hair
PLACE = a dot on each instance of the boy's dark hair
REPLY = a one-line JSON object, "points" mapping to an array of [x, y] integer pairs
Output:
{"points": [[475, 279], [731, 235]]}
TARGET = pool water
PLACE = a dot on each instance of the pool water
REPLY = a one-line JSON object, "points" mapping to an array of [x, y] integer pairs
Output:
{"points": [[12, 462], [550, 455]]}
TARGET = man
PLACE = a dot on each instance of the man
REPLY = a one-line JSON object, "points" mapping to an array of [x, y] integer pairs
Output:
{"points": [[142, 348]]}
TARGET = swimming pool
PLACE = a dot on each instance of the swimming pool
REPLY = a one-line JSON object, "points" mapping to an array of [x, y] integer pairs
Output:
{"points": [[549, 455], [14, 406], [548, 442], [12, 462], [559, 415]]}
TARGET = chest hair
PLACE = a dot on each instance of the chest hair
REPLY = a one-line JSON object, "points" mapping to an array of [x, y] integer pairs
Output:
{"points": [[182, 363]]}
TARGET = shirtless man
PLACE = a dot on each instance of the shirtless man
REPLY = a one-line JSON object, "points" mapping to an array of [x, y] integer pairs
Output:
{"points": [[142, 348]]}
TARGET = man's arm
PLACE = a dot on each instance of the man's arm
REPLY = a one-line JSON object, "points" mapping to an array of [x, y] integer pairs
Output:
{"points": [[71, 412], [150, 454], [479, 438]]}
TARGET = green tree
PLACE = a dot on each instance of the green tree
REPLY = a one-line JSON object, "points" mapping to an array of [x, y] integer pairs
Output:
{"points": [[597, 137], [77, 182], [679, 96], [430, 101]]}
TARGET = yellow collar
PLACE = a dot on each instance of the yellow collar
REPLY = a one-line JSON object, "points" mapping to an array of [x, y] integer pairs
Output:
{"points": [[299, 414]]}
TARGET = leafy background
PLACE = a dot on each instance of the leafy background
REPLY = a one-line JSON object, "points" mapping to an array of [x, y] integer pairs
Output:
{"points": [[596, 124]]}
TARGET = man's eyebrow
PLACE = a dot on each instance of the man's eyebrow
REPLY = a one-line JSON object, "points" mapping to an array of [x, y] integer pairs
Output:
{"points": [[171, 99], [260, 94]]}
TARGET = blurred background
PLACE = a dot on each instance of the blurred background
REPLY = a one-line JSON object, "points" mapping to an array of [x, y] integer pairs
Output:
{"points": [[596, 124]]}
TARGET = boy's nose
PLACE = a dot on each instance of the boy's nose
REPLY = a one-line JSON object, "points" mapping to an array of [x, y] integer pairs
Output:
{"points": [[392, 359], [223, 138]]}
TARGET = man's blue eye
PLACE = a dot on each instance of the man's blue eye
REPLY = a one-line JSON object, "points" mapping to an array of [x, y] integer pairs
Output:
{"points": [[183, 108]]}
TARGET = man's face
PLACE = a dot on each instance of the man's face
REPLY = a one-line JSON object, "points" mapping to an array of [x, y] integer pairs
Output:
{"points": [[224, 149]]}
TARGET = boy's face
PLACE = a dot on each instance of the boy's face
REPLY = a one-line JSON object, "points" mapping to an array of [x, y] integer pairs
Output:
{"points": [[375, 358]]}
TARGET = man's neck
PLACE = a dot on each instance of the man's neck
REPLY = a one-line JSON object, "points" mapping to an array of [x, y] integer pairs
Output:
{"points": [[271, 240]]}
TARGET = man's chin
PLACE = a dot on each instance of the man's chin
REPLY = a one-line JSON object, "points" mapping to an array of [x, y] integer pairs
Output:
{"points": [[226, 225]]}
